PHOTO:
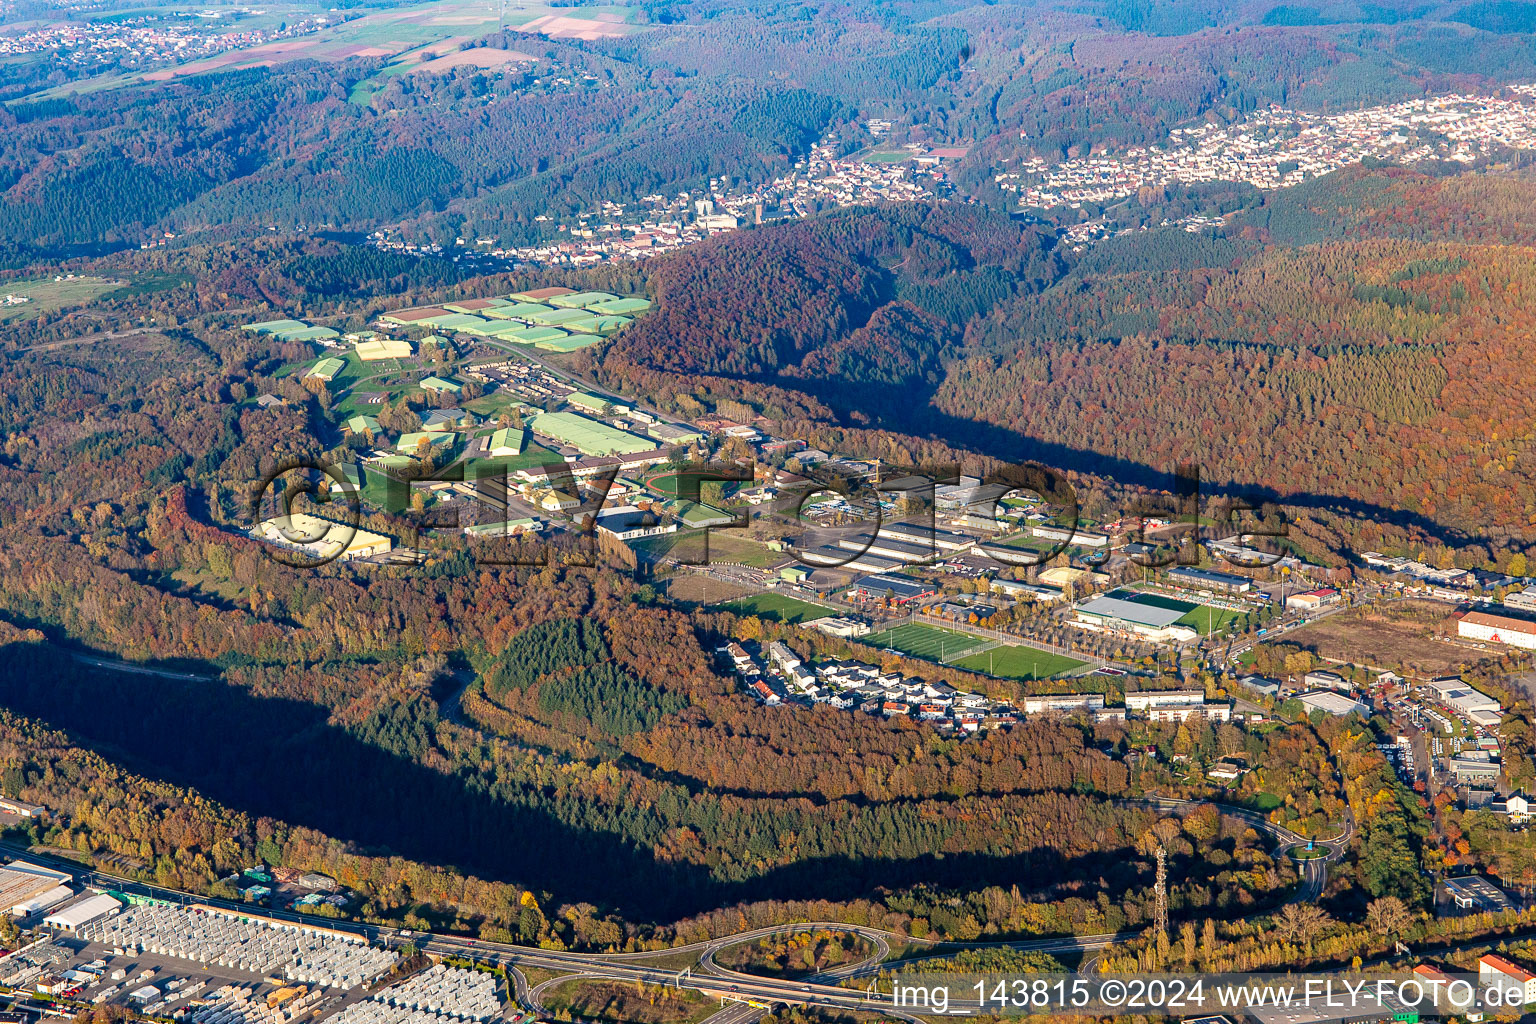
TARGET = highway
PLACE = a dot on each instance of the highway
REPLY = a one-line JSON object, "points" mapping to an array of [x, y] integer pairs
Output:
{"points": [[707, 976]]}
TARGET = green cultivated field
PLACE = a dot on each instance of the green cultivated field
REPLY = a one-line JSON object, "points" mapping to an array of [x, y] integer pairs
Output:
{"points": [[781, 607], [1010, 662]]}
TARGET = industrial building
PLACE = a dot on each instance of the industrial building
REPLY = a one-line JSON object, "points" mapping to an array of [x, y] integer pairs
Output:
{"points": [[1466, 701], [1498, 629], [1071, 535], [413, 317], [1522, 600], [619, 307], [321, 538], [291, 330], [506, 442], [1331, 702], [20, 808], [903, 552], [830, 556], [1153, 621], [474, 305], [1312, 600], [380, 347], [441, 385], [82, 912], [1021, 591], [671, 433], [1209, 579], [918, 533], [590, 403], [1477, 894], [516, 311], [588, 436], [327, 369], [1322, 679], [900, 588], [581, 300], [1062, 575], [599, 325]]}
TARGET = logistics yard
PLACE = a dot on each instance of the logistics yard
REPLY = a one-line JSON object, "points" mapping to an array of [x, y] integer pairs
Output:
{"points": [[211, 965]]}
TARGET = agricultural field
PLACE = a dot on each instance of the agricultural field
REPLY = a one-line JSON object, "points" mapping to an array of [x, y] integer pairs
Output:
{"points": [[780, 607], [1394, 635], [48, 296], [425, 38], [1018, 662]]}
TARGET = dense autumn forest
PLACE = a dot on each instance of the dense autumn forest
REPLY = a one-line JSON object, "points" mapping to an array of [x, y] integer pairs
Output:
{"points": [[1353, 348], [549, 753]]}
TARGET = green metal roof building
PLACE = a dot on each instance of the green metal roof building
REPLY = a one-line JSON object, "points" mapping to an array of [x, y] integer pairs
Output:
{"points": [[507, 441], [699, 515], [598, 324], [619, 307], [589, 402], [556, 317], [438, 384], [362, 425], [408, 443], [452, 322], [588, 436], [327, 369], [581, 300], [531, 335], [275, 326], [291, 330], [520, 311]]}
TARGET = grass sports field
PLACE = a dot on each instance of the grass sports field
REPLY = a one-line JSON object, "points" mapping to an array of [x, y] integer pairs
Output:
{"points": [[1010, 662], [781, 607], [950, 647], [920, 641]]}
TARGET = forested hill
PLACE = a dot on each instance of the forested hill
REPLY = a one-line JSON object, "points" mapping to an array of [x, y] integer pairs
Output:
{"points": [[834, 305], [699, 91], [1319, 349]]}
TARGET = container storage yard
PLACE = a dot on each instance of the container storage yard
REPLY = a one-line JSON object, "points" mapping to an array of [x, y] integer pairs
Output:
{"points": [[312, 955], [468, 995]]}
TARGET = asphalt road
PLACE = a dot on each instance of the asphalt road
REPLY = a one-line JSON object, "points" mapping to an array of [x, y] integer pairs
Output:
{"points": [[709, 977]]}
